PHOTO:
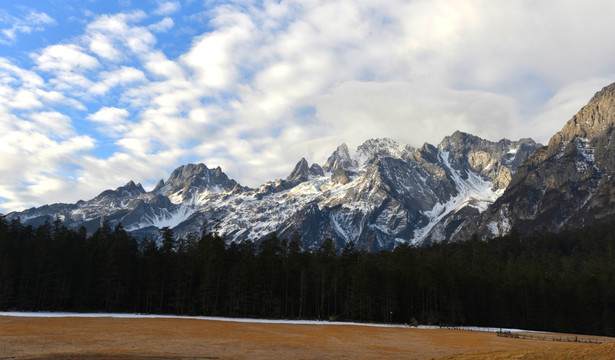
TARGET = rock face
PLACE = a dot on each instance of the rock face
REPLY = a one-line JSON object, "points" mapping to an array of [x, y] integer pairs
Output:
{"points": [[378, 196], [301, 172], [189, 180], [568, 183], [340, 160]]}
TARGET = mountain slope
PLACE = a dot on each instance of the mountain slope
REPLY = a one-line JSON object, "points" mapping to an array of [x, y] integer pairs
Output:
{"points": [[567, 184], [379, 196]]}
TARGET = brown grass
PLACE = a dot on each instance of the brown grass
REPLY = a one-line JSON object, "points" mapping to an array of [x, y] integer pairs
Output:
{"points": [[137, 339]]}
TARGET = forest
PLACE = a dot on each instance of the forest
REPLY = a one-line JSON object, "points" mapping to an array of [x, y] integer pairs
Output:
{"points": [[561, 282]]}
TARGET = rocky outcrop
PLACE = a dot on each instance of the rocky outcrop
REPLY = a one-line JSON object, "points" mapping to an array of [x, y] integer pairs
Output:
{"points": [[130, 189], [377, 148], [340, 160], [191, 179], [300, 173]]}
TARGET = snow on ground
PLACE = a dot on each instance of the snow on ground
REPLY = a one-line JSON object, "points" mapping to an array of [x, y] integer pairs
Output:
{"points": [[241, 320]]}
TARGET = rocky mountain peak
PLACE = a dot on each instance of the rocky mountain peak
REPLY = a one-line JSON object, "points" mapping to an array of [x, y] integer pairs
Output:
{"points": [[377, 148], [132, 188], [340, 160], [316, 170], [458, 140], [196, 178], [300, 173], [594, 120], [158, 186], [186, 172]]}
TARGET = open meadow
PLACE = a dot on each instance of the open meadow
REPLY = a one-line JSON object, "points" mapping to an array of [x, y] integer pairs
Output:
{"points": [[182, 338]]}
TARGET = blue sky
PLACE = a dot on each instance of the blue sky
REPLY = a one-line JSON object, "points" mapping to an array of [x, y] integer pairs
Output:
{"points": [[96, 93]]}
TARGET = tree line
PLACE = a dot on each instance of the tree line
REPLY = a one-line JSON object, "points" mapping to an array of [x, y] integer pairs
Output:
{"points": [[554, 282]]}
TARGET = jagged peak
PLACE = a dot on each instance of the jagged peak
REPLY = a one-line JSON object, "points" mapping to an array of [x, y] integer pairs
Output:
{"points": [[131, 187], [187, 170], [340, 159], [380, 147], [428, 148], [342, 148], [159, 185], [379, 142], [458, 139], [190, 171], [607, 91], [316, 170], [300, 172], [193, 178]]}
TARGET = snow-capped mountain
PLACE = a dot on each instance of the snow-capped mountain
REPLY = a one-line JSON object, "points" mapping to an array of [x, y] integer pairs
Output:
{"points": [[378, 196], [567, 184]]}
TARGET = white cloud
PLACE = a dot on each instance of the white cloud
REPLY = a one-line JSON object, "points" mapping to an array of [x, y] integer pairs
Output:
{"points": [[102, 46], [53, 123], [356, 111], [24, 99], [215, 56], [65, 58], [14, 74], [31, 163], [33, 21], [24, 89], [111, 121], [96, 174], [122, 76], [109, 116], [116, 32], [167, 8], [163, 25], [158, 64]]}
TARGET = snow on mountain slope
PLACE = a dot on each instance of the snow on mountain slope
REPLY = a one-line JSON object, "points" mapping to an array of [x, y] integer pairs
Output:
{"points": [[473, 191], [378, 197]]}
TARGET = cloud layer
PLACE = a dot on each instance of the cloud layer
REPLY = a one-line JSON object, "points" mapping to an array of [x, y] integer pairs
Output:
{"points": [[254, 86]]}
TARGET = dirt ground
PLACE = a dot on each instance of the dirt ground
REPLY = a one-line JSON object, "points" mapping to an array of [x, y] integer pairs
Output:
{"points": [[168, 339]]}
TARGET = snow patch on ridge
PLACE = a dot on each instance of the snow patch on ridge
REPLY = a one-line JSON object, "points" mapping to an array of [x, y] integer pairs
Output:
{"points": [[473, 191], [586, 151], [513, 150], [501, 226], [164, 219]]}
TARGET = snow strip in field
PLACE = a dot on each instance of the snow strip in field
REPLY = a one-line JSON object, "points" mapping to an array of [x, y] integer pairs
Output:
{"points": [[241, 320]]}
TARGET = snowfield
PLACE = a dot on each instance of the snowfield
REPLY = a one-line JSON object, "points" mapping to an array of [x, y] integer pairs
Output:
{"points": [[241, 320]]}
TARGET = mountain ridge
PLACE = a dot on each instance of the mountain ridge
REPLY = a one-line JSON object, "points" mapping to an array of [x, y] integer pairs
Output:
{"points": [[379, 196]]}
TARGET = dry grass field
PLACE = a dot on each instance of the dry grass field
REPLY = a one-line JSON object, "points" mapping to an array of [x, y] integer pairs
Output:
{"points": [[151, 338]]}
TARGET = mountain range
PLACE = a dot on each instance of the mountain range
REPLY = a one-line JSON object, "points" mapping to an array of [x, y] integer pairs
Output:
{"points": [[383, 194]]}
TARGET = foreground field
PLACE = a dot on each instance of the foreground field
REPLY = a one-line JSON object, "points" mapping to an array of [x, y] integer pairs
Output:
{"points": [[176, 338]]}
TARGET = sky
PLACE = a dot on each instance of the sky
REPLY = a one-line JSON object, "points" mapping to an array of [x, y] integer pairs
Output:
{"points": [[94, 93]]}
